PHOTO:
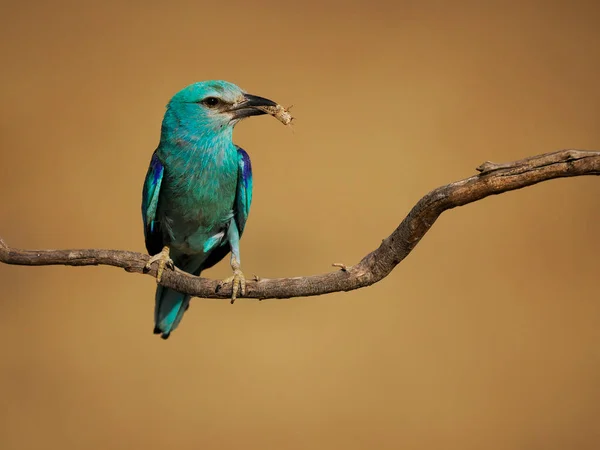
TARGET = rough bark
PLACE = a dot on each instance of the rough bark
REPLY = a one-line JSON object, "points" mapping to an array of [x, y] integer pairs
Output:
{"points": [[493, 179]]}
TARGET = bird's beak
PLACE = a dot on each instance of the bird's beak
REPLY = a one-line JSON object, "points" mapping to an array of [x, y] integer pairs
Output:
{"points": [[250, 106]]}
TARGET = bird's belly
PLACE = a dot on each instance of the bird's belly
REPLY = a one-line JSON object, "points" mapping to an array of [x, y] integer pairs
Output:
{"points": [[197, 224], [196, 219]]}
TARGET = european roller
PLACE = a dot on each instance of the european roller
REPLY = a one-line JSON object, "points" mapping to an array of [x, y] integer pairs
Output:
{"points": [[198, 190]]}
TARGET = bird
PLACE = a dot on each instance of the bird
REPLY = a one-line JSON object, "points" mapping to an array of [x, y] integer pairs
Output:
{"points": [[197, 192]]}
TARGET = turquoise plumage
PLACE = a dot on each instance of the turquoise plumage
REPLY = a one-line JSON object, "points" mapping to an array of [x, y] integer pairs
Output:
{"points": [[198, 190]]}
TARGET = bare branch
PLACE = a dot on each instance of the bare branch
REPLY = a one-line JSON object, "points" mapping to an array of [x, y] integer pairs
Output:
{"points": [[493, 179]]}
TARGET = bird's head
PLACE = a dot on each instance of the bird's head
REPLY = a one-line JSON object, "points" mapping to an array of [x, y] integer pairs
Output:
{"points": [[211, 107]]}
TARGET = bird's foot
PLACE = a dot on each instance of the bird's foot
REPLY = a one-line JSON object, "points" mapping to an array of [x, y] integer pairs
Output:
{"points": [[163, 260], [238, 281]]}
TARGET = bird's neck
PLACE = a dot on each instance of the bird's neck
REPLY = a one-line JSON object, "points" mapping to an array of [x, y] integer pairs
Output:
{"points": [[190, 141], [189, 132]]}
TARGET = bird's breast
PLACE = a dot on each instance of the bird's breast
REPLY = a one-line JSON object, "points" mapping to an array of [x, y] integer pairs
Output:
{"points": [[197, 197]]}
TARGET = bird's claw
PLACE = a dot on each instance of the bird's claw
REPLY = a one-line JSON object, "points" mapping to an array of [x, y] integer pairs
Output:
{"points": [[163, 260], [238, 281]]}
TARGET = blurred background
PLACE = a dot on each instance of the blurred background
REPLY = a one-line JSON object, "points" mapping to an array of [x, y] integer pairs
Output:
{"points": [[486, 336]]}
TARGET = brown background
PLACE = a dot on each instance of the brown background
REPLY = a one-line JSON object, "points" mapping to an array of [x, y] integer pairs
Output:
{"points": [[487, 336]]}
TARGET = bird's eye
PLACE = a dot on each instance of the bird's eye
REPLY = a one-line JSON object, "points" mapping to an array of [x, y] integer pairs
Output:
{"points": [[211, 102]]}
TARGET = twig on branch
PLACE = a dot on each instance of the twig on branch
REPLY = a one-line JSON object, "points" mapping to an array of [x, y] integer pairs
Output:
{"points": [[493, 179]]}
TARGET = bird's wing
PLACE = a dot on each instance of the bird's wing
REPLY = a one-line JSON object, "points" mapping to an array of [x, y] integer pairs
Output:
{"points": [[150, 194], [243, 195], [241, 207]]}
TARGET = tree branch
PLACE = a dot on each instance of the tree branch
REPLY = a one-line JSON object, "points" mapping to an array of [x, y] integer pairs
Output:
{"points": [[493, 179]]}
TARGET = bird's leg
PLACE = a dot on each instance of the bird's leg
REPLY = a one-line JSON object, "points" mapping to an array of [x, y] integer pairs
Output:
{"points": [[163, 260], [238, 279]]}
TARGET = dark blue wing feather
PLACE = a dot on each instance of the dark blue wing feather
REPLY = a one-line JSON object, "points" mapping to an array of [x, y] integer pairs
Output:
{"points": [[243, 197], [150, 195]]}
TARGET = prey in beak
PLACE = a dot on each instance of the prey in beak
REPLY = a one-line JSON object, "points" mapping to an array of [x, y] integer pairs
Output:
{"points": [[253, 105]]}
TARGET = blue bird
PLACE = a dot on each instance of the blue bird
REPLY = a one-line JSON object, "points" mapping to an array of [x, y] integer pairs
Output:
{"points": [[198, 190]]}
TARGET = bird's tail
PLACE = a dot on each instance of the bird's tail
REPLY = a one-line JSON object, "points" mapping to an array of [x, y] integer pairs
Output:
{"points": [[169, 308], [170, 305]]}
